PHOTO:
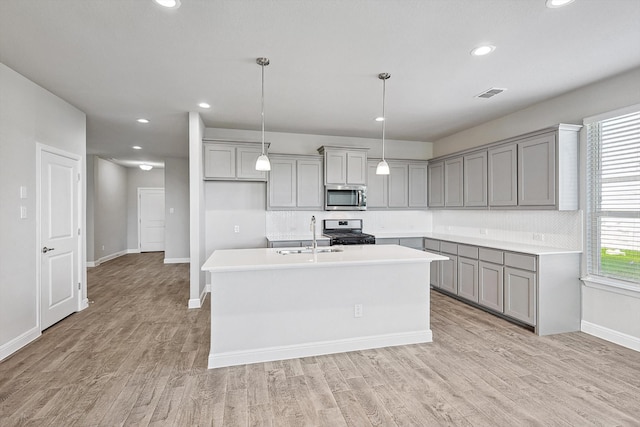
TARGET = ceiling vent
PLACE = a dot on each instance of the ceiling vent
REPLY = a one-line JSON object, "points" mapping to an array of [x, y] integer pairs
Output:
{"points": [[490, 92]]}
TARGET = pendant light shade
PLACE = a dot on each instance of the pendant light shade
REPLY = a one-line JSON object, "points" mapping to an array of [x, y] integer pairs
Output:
{"points": [[383, 166], [263, 163]]}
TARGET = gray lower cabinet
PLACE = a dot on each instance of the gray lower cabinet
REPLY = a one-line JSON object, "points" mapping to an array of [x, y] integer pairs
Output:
{"points": [[520, 294], [468, 279], [295, 243], [409, 242], [491, 286], [295, 183], [538, 290]]}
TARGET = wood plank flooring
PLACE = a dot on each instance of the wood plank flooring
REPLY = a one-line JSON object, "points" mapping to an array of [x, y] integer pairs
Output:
{"points": [[138, 357]]}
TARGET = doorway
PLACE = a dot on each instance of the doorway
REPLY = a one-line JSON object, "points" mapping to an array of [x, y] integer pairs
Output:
{"points": [[151, 219], [58, 196]]}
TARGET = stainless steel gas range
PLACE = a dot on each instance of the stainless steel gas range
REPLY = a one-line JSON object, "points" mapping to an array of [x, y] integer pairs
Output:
{"points": [[346, 232]]}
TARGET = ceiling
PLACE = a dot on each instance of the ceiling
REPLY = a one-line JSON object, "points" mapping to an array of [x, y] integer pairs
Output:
{"points": [[118, 60]]}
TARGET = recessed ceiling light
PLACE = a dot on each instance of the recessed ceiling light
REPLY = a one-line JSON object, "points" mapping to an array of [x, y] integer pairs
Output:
{"points": [[170, 4], [142, 121], [146, 167], [379, 119], [137, 147], [204, 105], [483, 50], [552, 4]]}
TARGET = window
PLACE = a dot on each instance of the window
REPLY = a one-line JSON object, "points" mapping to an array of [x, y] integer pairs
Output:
{"points": [[613, 196]]}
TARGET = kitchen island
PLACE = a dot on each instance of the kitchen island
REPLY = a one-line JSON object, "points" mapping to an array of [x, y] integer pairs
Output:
{"points": [[266, 305]]}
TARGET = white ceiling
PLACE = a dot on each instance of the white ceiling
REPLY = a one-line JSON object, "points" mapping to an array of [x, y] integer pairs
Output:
{"points": [[118, 60]]}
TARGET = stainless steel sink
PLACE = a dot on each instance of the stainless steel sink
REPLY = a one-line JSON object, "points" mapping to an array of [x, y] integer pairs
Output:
{"points": [[307, 251]]}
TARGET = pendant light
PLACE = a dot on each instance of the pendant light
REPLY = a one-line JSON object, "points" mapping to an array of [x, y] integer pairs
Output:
{"points": [[383, 166], [263, 163]]}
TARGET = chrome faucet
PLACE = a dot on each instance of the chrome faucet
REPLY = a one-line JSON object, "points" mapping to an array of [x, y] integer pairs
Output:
{"points": [[313, 233]]}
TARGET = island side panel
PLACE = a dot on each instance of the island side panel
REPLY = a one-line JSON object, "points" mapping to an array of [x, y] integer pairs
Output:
{"points": [[264, 315]]}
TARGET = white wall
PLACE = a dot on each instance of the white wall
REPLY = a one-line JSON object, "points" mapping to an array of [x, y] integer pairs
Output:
{"points": [[298, 143], [137, 178], [90, 210], [607, 311], [110, 210], [176, 184], [29, 114], [572, 108]]}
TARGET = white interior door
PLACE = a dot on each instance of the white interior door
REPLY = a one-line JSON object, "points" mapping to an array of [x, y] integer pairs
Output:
{"points": [[151, 219], [59, 199]]}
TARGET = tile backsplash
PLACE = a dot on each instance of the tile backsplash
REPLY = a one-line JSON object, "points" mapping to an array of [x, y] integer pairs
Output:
{"points": [[295, 223], [541, 228]]}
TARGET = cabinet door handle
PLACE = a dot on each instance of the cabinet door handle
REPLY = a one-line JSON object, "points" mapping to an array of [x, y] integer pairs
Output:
{"points": [[46, 249]]}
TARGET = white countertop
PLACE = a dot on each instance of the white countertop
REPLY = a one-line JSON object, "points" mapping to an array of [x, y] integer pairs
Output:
{"points": [[397, 234], [269, 259], [499, 244]]}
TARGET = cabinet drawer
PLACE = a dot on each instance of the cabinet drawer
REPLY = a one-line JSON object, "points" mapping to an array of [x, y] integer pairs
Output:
{"points": [[524, 262], [449, 248], [468, 251], [491, 255], [432, 245]]}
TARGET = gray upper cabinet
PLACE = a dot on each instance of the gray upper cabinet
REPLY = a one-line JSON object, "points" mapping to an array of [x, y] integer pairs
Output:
{"points": [[538, 170], [232, 161], [418, 185], [453, 182], [398, 184], [295, 183], [377, 187], [309, 184], [344, 166], [503, 175], [475, 179], [435, 184], [404, 188]]}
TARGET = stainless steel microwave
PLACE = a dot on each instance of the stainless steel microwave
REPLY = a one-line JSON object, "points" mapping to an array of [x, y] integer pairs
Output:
{"points": [[345, 198]]}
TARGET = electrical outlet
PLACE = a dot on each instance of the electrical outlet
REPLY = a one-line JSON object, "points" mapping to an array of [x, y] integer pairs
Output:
{"points": [[357, 310], [538, 236], [103, 247], [484, 231], [236, 228]]}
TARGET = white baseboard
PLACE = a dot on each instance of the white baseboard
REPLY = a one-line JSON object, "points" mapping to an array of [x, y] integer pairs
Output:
{"points": [[106, 258], [198, 302], [17, 343], [177, 260], [607, 334], [268, 354]]}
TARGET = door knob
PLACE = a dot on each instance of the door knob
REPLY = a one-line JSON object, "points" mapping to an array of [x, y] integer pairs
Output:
{"points": [[46, 249]]}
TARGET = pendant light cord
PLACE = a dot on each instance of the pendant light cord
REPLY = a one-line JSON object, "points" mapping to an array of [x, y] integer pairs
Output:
{"points": [[384, 86], [262, 109]]}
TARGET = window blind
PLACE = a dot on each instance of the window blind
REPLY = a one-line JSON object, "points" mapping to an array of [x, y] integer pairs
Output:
{"points": [[613, 193]]}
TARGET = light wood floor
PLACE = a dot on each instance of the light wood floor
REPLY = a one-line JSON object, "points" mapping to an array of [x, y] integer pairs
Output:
{"points": [[137, 356]]}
